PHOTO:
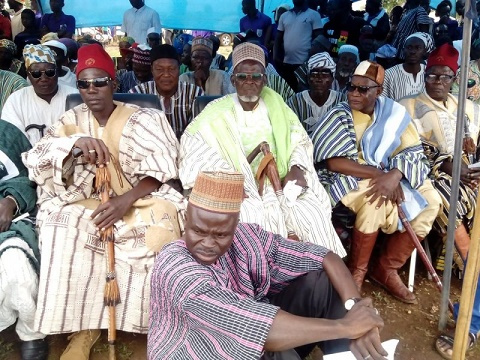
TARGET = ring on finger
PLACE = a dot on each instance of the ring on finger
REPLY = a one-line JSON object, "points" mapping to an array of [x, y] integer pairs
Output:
{"points": [[383, 196], [376, 311], [367, 357], [92, 151]]}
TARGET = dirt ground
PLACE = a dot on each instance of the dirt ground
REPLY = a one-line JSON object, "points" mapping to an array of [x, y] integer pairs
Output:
{"points": [[414, 325]]}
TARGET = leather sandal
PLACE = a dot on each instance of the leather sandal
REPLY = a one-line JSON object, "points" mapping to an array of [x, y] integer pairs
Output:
{"points": [[444, 343]]}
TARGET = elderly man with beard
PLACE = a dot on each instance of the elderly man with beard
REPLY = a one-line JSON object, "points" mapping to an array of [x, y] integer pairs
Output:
{"points": [[372, 162], [212, 81], [311, 105], [36, 107], [176, 97], [228, 130], [229, 289], [408, 78], [348, 59]]}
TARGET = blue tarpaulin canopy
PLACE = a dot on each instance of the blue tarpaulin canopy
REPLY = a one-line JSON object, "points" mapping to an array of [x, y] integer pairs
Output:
{"points": [[215, 15], [212, 15]]}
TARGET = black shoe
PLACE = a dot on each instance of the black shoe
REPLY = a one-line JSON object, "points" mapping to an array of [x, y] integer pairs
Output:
{"points": [[34, 350]]}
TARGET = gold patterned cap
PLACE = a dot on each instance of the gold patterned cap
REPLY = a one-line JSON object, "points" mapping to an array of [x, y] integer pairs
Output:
{"points": [[247, 51], [219, 192]]}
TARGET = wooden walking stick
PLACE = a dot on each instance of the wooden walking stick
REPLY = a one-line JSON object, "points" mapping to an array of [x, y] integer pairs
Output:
{"points": [[111, 295], [421, 252]]}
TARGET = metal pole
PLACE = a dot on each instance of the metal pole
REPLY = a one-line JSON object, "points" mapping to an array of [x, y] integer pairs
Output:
{"points": [[457, 162]]}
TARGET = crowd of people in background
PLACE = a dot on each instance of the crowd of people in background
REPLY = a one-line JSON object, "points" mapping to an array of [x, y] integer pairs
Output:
{"points": [[358, 108]]}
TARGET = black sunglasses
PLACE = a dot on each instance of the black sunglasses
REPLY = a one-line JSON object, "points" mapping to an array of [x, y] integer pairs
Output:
{"points": [[37, 74], [360, 89], [98, 82]]}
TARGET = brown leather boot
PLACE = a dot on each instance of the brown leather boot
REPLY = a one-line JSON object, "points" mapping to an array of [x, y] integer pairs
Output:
{"points": [[462, 241], [361, 249], [398, 249]]}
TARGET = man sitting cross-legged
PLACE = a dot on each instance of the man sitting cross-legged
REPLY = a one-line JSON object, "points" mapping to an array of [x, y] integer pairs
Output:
{"points": [[143, 208], [372, 162], [230, 290]]}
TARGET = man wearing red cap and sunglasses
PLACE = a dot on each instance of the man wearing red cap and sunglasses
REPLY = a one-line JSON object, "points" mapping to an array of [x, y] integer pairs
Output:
{"points": [[435, 115], [34, 108], [140, 149], [372, 161]]}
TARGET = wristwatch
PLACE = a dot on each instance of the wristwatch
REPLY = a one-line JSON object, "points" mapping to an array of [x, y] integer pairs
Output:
{"points": [[350, 302]]}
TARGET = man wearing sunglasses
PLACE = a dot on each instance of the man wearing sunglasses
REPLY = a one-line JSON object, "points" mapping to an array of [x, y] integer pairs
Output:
{"points": [[435, 116], [372, 161], [36, 107], [227, 131], [139, 148]]}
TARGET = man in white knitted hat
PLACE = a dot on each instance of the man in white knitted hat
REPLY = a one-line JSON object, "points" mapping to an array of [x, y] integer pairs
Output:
{"points": [[228, 130]]}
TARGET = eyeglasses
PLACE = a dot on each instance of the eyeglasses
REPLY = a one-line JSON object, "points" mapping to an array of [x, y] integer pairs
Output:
{"points": [[37, 74], [444, 79], [321, 75], [360, 89], [257, 77], [98, 82]]}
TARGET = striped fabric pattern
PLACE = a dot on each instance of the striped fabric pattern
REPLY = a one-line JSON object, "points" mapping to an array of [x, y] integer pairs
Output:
{"points": [[72, 274], [9, 83], [399, 84], [335, 136], [308, 112], [221, 311], [181, 104]]}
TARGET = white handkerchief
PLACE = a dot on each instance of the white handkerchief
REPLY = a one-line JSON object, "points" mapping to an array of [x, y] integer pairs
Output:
{"points": [[291, 191], [389, 346]]}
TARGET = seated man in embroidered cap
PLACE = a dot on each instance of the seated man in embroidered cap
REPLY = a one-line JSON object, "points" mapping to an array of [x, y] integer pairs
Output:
{"points": [[311, 105], [36, 107], [212, 81], [227, 131], [229, 289], [140, 149], [408, 78], [176, 97], [435, 115], [19, 255], [372, 161], [141, 71]]}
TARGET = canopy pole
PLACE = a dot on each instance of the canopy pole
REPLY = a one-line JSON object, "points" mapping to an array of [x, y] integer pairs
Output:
{"points": [[457, 163]]}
